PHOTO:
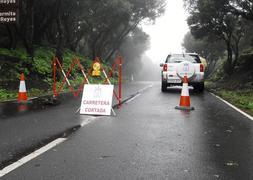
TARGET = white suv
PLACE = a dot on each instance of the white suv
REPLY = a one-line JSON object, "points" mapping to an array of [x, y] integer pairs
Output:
{"points": [[169, 71]]}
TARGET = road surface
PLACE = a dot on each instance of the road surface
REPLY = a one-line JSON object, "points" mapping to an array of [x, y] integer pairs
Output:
{"points": [[150, 139]]}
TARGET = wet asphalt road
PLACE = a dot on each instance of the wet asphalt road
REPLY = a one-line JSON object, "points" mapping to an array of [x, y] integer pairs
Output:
{"points": [[26, 127], [149, 139]]}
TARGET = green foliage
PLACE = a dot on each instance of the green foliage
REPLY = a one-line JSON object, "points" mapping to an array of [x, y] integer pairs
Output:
{"points": [[42, 60], [6, 52], [214, 18], [96, 28], [212, 50], [41, 67], [243, 8], [21, 54], [18, 53], [248, 51], [15, 58], [99, 30], [34, 92], [7, 95], [243, 99]]}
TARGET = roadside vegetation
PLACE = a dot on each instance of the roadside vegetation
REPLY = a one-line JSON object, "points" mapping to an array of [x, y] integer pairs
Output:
{"points": [[67, 29], [221, 32], [39, 80], [236, 88], [39, 74], [242, 99]]}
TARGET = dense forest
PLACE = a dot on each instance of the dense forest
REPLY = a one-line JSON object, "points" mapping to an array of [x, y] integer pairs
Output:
{"points": [[68, 28], [218, 28], [221, 31], [92, 27]]}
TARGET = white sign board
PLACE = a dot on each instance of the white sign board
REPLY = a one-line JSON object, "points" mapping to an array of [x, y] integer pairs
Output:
{"points": [[97, 99], [185, 68]]}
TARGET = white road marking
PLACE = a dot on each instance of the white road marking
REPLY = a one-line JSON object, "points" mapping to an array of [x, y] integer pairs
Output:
{"points": [[40, 151], [237, 109], [54, 143], [137, 95], [77, 111], [88, 120], [141, 90], [31, 156]]}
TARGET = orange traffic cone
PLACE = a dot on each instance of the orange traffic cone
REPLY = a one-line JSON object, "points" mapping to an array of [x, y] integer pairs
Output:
{"points": [[185, 102], [22, 95]]}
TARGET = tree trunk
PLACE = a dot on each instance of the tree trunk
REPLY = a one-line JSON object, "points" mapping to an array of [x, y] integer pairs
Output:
{"points": [[30, 27], [60, 39], [236, 51], [43, 25], [59, 48], [229, 67], [94, 46], [12, 37], [120, 40]]}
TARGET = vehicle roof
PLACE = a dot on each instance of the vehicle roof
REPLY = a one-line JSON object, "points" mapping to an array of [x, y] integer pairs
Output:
{"points": [[195, 55], [191, 53], [183, 53]]}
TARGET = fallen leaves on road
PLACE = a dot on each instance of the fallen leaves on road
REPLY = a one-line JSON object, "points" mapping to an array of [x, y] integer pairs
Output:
{"points": [[232, 163], [217, 145], [217, 176], [229, 131]]}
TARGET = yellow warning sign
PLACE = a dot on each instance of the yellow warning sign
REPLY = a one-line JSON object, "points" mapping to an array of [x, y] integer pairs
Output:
{"points": [[96, 69]]}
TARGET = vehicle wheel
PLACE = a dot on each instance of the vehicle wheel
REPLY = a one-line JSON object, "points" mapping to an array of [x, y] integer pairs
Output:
{"points": [[199, 87], [164, 87]]}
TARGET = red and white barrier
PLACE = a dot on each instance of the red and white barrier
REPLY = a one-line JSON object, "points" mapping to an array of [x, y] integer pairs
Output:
{"points": [[86, 74]]}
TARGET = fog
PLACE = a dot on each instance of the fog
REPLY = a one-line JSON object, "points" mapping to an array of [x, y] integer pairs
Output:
{"points": [[150, 71]]}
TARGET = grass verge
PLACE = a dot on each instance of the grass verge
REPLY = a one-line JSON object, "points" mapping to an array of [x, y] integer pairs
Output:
{"points": [[38, 71], [7, 95], [243, 99]]}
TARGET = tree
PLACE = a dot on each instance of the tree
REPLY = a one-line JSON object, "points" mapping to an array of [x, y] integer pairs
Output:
{"points": [[213, 18], [243, 8], [93, 27], [132, 49], [209, 48]]}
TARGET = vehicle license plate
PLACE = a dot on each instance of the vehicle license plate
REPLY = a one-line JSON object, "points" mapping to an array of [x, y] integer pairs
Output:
{"points": [[174, 81]]}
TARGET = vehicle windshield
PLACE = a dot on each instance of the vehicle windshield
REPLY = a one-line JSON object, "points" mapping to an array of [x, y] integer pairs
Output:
{"points": [[177, 58]]}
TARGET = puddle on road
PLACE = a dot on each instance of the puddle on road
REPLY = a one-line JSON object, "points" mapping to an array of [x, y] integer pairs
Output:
{"points": [[13, 108]]}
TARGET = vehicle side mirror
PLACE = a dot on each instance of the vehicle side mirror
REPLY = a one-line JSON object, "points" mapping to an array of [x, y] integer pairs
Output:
{"points": [[161, 65]]}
